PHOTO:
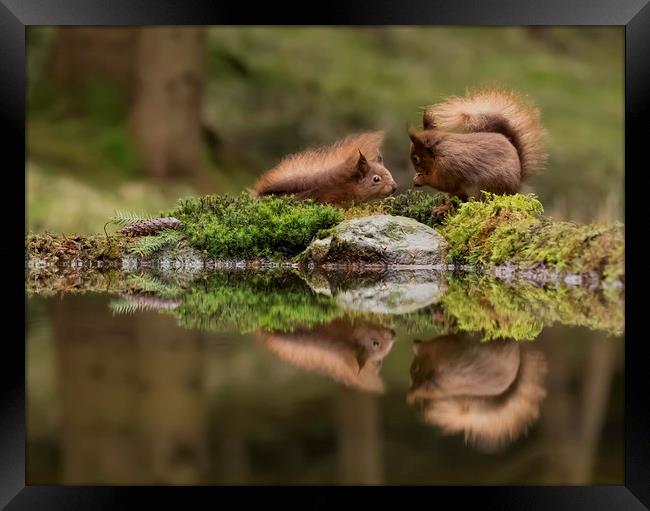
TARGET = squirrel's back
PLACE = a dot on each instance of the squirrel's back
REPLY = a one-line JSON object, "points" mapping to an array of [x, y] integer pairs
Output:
{"points": [[499, 111], [321, 167]]}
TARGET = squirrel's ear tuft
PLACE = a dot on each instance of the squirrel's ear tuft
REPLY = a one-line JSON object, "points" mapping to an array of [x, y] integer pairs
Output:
{"points": [[413, 135], [362, 166], [428, 122], [362, 356]]}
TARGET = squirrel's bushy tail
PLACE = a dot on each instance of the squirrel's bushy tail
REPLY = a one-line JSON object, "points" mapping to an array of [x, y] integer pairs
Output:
{"points": [[495, 110]]}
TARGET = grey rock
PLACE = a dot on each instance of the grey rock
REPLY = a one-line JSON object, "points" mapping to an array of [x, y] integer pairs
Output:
{"points": [[380, 240], [388, 291]]}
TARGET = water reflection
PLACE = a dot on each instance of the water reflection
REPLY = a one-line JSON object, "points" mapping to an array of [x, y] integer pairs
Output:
{"points": [[490, 392], [167, 386], [350, 352]]}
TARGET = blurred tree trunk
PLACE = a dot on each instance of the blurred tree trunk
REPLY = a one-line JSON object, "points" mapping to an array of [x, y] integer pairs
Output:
{"points": [[171, 412], [159, 69], [166, 113], [98, 402], [81, 55], [359, 448]]}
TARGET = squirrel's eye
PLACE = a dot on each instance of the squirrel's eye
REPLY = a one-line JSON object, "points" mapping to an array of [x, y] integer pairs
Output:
{"points": [[376, 179], [415, 158]]}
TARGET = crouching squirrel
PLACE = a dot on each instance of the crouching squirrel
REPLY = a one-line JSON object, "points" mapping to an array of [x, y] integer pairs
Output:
{"points": [[350, 170], [489, 140]]}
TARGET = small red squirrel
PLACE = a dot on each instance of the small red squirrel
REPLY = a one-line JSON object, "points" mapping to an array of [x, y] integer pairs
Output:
{"points": [[349, 170], [489, 140]]}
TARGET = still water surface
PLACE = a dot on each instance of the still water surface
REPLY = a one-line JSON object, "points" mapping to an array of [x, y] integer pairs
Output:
{"points": [[251, 381]]}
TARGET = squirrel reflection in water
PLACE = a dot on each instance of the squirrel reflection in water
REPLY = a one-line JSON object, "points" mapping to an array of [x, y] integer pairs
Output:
{"points": [[491, 392], [350, 352]]}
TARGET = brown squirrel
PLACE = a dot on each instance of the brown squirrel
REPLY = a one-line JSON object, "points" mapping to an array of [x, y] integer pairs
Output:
{"points": [[489, 140], [490, 392], [349, 170], [350, 352]]}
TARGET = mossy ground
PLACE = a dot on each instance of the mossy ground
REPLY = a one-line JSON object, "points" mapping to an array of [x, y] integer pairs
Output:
{"points": [[511, 228], [416, 204], [492, 231], [246, 227], [50, 247]]}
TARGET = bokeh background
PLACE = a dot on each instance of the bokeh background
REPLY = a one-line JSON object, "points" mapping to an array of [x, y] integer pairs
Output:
{"points": [[133, 118]]}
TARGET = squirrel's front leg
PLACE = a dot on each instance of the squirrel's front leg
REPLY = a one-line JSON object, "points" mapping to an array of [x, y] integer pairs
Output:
{"points": [[438, 212]]}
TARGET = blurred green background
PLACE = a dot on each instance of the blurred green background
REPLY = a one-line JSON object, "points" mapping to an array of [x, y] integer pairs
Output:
{"points": [[133, 118]]}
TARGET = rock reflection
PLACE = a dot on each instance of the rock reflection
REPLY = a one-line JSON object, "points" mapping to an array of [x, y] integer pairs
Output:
{"points": [[348, 351], [491, 392]]}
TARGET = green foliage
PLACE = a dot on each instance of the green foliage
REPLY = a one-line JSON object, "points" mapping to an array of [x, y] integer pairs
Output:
{"points": [[578, 248], [468, 229], [520, 311], [276, 301], [145, 246], [416, 204], [125, 307], [126, 218], [510, 228], [147, 283], [248, 227]]}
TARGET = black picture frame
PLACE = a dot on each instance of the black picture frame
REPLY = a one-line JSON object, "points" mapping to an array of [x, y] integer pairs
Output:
{"points": [[16, 15]]}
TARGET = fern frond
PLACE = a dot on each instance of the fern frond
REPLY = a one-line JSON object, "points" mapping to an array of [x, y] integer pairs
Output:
{"points": [[146, 283], [147, 245], [124, 307], [126, 218]]}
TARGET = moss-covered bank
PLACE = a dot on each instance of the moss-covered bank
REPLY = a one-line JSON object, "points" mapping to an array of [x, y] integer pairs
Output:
{"points": [[512, 229], [246, 227], [494, 231], [53, 248]]}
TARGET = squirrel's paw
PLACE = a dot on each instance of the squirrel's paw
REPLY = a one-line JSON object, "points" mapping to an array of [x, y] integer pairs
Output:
{"points": [[440, 211]]}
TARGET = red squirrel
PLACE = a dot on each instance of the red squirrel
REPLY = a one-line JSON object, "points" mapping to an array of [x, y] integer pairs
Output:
{"points": [[350, 170], [489, 140]]}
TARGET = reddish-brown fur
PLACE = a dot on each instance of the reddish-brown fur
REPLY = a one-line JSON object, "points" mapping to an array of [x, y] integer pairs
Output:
{"points": [[489, 140], [349, 170], [349, 352], [491, 392]]}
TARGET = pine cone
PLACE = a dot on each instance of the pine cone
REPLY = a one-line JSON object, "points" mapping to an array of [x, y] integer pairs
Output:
{"points": [[147, 227]]}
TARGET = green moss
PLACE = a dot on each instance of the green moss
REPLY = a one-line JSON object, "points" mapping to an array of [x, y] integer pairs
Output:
{"points": [[501, 310], [276, 301], [511, 228], [416, 204], [468, 231], [247, 227]]}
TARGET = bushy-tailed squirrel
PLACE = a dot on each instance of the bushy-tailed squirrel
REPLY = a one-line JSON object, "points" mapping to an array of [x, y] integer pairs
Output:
{"points": [[489, 140], [350, 170]]}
